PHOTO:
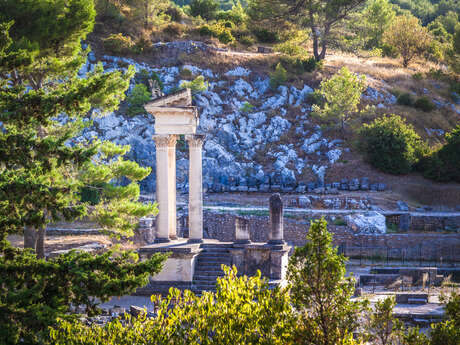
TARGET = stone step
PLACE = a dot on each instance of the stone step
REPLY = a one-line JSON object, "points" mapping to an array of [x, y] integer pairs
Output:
{"points": [[417, 301], [215, 263], [209, 273], [210, 278]]}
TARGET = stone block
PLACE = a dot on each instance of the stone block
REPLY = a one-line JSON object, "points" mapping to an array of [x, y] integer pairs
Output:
{"points": [[344, 186], [404, 222], [354, 184], [374, 187], [264, 188], [276, 188], [364, 183], [381, 187], [335, 185], [402, 206], [301, 188], [311, 186], [242, 188], [304, 201]]}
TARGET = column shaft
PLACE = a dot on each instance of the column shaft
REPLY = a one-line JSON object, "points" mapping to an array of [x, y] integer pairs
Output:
{"points": [[165, 149], [195, 206]]}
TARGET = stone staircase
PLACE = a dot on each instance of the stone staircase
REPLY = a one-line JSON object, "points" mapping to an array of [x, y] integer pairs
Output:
{"points": [[208, 266]]}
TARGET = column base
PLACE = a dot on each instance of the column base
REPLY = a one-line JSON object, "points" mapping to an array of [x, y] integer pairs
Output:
{"points": [[161, 240], [195, 240], [276, 242], [242, 242]]}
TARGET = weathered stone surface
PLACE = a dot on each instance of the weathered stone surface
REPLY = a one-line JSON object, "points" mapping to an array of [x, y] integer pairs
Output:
{"points": [[371, 222], [402, 206]]}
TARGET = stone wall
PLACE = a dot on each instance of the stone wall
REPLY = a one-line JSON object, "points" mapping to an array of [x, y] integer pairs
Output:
{"points": [[396, 246]]}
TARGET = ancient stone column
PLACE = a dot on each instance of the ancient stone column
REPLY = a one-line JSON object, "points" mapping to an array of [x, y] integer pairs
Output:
{"points": [[275, 235], [166, 187], [242, 234], [195, 193]]}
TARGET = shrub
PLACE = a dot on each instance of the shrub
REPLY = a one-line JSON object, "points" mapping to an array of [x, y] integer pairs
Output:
{"points": [[175, 13], [218, 30], [137, 98], [444, 164], [299, 65], [406, 99], [117, 43], [246, 40], [417, 76], [144, 76], [278, 77], [266, 36], [174, 29], [206, 9], [291, 48], [425, 104], [315, 98], [196, 85], [247, 107], [390, 144]]}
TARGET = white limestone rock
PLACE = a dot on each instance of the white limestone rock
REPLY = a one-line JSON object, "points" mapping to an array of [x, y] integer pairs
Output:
{"points": [[371, 222], [242, 88], [238, 72], [334, 155]]}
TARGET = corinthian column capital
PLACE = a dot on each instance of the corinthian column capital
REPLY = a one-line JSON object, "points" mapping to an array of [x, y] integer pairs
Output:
{"points": [[195, 141], [165, 140]]}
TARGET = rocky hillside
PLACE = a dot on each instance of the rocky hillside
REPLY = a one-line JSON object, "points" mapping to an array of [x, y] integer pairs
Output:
{"points": [[256, 138]]}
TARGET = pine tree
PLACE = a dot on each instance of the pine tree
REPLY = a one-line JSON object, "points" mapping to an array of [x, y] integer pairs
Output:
{"points": [[45, 172]]}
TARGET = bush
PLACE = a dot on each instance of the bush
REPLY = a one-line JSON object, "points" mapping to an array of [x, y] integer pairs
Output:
{"points": [[406, 99], [137, 98], [278, 77], [144, 76], [247, 107], [196, 85], [266, 36], [175, 13], [174, 29], [206, 9], [246, 40], [444, 164], [291, 48], [117, 43], [299, 65], [218, 30], [425, 104], [315, 98], [390, 144]]}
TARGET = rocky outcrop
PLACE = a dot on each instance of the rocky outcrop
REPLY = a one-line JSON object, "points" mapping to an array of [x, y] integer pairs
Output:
{"points": [[370, 222]]}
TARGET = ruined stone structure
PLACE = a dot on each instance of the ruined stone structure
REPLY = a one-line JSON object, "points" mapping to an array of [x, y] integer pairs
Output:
{"points": [[195, 263]]}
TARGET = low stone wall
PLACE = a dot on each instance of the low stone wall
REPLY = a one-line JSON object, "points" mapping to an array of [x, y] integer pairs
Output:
{"points": [[393, 246]]}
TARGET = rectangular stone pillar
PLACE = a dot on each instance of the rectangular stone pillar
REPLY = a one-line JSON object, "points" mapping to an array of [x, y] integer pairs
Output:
{"points": [[275, 234], [165, 187], [242, 234], [195, 193]]}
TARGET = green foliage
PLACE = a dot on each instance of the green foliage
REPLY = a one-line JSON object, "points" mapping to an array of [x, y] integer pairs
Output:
{"points": [[448, 332], [377, 17], [196, 85], [118, 44], [444, 164], [342, 94], [44, 105], [390, 144], [320, 291], [218, 30], [247, 107], [174, 29], [237, 15], [266, 36], [406, 99], [299, 65], [278, 76], [340, 221], [242, 311], [408, 36], [35, 293], [206, 9], [137, 98], [424, 103], [383, 327]]}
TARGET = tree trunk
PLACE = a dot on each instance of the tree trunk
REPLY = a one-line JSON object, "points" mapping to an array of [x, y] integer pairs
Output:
{"points": [[35, 240], [30, 237], [40, 247], [315, 43]]}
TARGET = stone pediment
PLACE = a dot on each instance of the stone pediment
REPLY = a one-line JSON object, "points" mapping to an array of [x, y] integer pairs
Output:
{"points": [[174, 113], [181, 98]]}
